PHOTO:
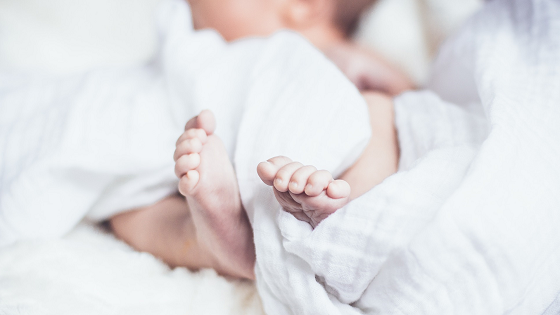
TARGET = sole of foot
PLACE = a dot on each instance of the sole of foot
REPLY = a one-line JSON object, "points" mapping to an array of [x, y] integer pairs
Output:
{"points": [[209, 184]]}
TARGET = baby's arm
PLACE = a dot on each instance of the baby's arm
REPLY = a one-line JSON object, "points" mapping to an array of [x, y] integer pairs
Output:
{"points": [[312, 195]]}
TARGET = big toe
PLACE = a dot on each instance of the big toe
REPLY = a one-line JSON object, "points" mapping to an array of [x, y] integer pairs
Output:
{"points": [[267, 170], [338, 189], [205, 120]]}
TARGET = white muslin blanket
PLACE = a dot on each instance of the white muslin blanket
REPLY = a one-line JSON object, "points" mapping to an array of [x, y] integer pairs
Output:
{"points": [[100, 143], [470, 223]]}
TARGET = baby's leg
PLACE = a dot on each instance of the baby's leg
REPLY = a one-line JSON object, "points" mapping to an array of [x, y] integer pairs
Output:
{"points": [[208, 181], [211, 228], [166, 230], [291, 180], [380, 158]]}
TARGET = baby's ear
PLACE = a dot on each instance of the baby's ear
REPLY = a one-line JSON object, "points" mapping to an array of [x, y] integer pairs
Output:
{"points": [[300, 14]]}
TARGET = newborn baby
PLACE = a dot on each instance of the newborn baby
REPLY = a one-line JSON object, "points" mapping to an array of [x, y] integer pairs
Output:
{"points": [[211, 229], [327, 24]]}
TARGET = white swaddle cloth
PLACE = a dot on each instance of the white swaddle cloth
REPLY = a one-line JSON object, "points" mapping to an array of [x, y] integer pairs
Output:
{"points": [[469, 225], [101, 143]]}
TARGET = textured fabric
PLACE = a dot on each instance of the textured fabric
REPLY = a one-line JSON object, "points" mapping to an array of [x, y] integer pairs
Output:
{"points": [[101, 143], [90, 272], [469, 224]]}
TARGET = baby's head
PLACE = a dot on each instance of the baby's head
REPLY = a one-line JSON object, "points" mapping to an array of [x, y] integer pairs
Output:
{"points": [[323, 22]]}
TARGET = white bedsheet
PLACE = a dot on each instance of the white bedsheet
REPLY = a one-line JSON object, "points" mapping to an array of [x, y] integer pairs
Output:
{"points": [[469, 225], [99, 143]]}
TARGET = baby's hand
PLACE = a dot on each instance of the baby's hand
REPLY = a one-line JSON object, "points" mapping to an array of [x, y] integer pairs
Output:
{"points": [[368, 71], [310, 195]]}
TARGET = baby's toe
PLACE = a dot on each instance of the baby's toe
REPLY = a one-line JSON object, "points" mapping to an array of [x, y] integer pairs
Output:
{"points": [[205, 120], [188, 182], [299, 179], [193, 133], [284, 174], [186, 163], [188, 146], [267, 170], [318, 182], [196, 133], [280, 161], [338, 189]]}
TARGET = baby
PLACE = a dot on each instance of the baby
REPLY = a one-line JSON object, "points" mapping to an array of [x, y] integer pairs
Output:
{"points": [[327, 24], [210, 232]]}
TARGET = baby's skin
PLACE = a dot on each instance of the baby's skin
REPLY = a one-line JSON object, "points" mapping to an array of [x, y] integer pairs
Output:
{"points": [[208, 182], [312, 195], [309, 194]]}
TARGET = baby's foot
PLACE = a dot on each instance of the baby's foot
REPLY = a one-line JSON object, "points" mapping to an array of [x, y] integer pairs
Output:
{"points": [[310, 195], [208, 182]]}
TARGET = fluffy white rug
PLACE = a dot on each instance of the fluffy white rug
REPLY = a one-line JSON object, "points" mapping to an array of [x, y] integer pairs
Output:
{"points": [[91, 272]]}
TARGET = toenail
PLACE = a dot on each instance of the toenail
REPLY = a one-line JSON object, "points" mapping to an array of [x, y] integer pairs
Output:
{"points": [[309, 186], [293, 184], [278, 181]]}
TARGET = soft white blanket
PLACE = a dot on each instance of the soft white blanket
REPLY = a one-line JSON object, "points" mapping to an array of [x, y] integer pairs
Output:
{"points": [[469, 225]]}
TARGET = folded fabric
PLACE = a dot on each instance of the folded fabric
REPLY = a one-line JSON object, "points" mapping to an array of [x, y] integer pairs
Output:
{"points": [[96, 144], [469, 224]]}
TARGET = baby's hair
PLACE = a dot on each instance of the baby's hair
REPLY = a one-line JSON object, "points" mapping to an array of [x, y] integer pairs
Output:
{"points": [[348, 13]]}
